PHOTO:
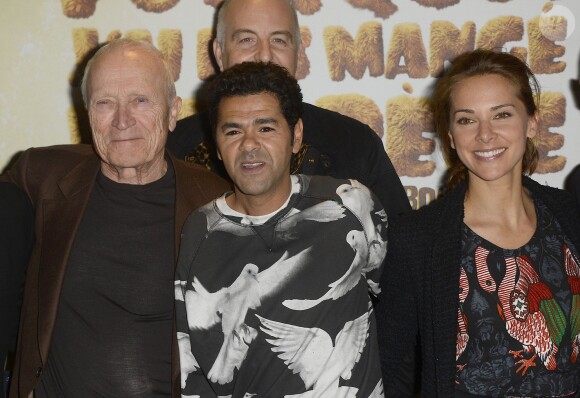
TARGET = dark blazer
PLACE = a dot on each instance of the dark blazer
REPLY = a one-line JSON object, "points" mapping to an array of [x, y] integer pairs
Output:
{"points": [[16, 237], [420, 284], [59, 180]]}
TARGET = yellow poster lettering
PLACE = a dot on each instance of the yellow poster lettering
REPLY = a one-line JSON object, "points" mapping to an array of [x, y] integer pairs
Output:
{"points": [[447, 42], [303, 67], [157, 6], [356, 106], [543, 50], [114, 35], [426, 196], [412, 196], [354, 55], [84, 41], [73, 126], [419, 197], [188, 108], [407, 119], [86, 8], [169, 42], [381, 8], [307, 7], [499, 31], [78, 8], [438, 4], [553, 111], [205, 67], [407, 44], [139, 34]]}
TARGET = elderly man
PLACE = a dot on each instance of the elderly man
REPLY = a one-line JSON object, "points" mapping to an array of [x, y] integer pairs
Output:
{"points": [[333, 144], [97, 316], [274, 280]]}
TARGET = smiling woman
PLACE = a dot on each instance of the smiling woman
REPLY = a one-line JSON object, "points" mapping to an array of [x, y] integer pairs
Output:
{"points": [[482, 64], [492, 269], [489, 127]]}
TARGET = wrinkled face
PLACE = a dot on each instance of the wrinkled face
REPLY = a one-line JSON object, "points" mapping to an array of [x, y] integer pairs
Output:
{"points": [[129, 114], [258, 30], [255, 143], [489, 126]]}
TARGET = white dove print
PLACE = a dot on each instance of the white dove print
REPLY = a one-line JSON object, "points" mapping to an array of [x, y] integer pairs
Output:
{"points": [[310, 353], [358, 199], [379, 391], [186, 359], [357, 240], [326, 211], [241, 296], [230, 305], [368, 256], [377, 245]]}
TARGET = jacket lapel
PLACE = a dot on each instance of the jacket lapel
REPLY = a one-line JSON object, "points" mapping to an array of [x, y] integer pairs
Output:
{"points": [[62, 215], [445, 288], [187, 198], [190, 194]]}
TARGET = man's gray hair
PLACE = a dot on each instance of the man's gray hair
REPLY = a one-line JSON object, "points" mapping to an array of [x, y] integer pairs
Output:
{"points": [[129, 43], [221, 24]]}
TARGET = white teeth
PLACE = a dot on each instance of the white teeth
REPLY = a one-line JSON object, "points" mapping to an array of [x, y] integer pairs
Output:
{"points": [[251, 165], [489, 154]]}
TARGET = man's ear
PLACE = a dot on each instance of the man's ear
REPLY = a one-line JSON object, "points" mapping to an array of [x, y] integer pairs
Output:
{"points": [[217, 53], [219, 155], [174, 109], [298, 130]]}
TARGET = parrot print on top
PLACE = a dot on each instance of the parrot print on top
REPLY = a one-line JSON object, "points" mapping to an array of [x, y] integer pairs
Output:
{"points": [[519, 316]]}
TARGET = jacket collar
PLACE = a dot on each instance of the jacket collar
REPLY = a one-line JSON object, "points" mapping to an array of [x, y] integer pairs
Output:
{"points": [[80, 178], [444, 287]]}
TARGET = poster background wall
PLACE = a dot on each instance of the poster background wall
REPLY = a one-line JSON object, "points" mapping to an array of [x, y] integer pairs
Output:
{"points": [[370, 59]]}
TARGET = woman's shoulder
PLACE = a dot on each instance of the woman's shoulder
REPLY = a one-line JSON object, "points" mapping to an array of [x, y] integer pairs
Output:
{"points": [[442, 216], [448, 204], [555, 199]]}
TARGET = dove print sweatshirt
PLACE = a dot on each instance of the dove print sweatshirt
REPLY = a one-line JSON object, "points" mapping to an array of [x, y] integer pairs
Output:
{"points": [[280, 305]]}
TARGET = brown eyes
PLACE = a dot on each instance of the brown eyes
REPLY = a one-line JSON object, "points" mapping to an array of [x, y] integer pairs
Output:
{"points": [[466, 120], [503, 115]]}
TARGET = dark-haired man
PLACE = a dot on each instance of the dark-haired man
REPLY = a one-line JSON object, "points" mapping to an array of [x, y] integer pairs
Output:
{"points": [[274, 280]]}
